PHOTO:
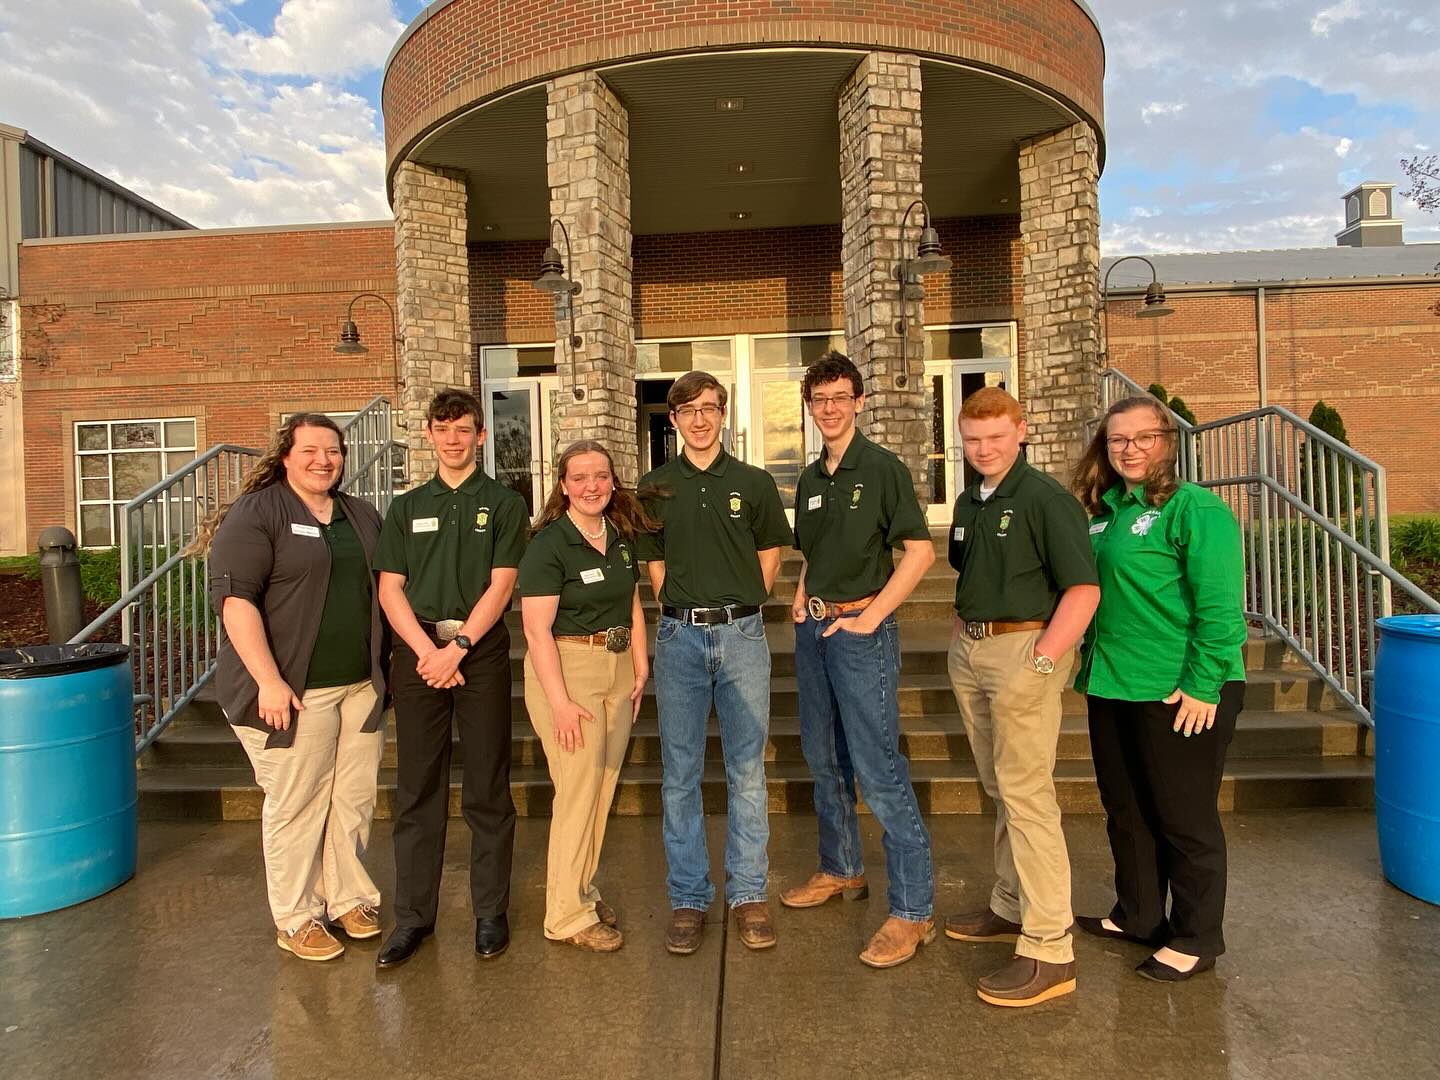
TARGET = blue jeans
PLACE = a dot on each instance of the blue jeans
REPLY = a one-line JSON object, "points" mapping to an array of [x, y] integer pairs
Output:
{"points": [[729, 664], [849, 730]]}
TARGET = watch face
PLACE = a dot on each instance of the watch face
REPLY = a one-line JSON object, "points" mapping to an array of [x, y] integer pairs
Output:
{"points": [[1044, 665], [462, 641]]}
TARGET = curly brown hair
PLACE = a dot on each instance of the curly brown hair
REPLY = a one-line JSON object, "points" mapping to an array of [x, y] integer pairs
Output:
{"points": [[270, 469], [625, 511], [1094, 475]]}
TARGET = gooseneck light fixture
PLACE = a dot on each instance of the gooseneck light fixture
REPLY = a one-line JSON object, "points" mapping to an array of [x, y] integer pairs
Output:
{"points": [[1154, 306], [908, 271], [557, 279], [349, 343]]}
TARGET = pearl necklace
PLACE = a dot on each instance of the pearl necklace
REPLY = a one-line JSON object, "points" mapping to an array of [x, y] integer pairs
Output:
{"points": [[600, 535]]}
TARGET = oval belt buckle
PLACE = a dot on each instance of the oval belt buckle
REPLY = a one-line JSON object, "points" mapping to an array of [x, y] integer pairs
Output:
{"points": [[817, 608], [975, 631], [617, 639]]}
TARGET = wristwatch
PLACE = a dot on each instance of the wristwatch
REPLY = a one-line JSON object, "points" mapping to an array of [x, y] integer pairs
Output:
{"points": [[464, 642], [1043, 664]]}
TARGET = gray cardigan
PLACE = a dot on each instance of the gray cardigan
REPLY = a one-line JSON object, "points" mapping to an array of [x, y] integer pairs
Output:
{"points": [[266, 552]]}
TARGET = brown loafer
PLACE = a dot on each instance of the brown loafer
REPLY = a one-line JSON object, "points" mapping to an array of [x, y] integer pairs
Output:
{"points": [[753, 922], [687, 925], [1024, 981], [896, 941], [597, 937], [821, 887], [981, 926], [605, 913], [360, 922]]}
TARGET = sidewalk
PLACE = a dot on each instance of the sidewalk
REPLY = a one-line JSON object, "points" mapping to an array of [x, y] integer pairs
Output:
{"points": [[1331, 974]]}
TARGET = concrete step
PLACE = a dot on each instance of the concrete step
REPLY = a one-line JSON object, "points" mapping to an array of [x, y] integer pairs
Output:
{"points": [[945, 787]]}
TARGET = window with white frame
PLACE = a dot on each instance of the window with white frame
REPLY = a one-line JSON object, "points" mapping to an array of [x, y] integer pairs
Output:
{"points": [[115, 460], [9, 337]]}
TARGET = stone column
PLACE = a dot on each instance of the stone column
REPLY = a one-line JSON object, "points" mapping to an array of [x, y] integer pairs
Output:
{"points": [[432, 286], [880, 178], [1060, 228], [587, 155]]}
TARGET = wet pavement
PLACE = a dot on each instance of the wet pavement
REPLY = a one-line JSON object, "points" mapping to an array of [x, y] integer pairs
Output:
{"points": [[1331, 974]]}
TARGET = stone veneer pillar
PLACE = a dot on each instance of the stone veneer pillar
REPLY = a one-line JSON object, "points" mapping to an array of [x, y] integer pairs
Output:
{"points": [[432, 280], [587, 156], [1060, 229], [879, 179]]}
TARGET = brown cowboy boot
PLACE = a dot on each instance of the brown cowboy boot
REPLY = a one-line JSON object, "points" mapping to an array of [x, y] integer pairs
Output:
{"points": [[821, 887], [896, 941], [753, 922]]}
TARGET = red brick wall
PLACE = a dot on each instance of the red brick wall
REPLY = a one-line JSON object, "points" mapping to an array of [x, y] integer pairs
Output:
{"points": [[1372, 352]]}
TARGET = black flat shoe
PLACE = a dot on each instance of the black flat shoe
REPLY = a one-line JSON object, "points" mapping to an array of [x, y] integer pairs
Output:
{"points": [[492, 936], [401, 945], [1158, 971], [1095, 926]]}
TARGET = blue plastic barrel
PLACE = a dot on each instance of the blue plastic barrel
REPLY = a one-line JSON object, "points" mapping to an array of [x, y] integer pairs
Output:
{"points": [[67, 775], [1407, 753]]}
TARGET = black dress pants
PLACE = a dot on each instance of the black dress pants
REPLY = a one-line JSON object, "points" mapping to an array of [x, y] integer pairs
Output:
{"points": [[1159, 790], [481, 713]]}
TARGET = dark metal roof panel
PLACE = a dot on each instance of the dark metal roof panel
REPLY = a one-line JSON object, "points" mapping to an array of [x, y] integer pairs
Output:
{"points": [[1293, 264]]}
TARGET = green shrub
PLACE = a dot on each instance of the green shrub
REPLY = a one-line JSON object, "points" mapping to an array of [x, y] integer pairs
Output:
{"points": [[1415, 543], [1328, 420], [1176, 405], [100, 575]]}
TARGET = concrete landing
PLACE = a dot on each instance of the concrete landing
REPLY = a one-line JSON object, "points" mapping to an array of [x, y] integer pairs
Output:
{"points": [[1331, 973]]}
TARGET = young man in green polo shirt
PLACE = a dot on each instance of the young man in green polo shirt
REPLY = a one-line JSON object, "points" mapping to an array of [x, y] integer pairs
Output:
{"points": [[448, 559], [853, 507], [1026, 592], [712, 564]]}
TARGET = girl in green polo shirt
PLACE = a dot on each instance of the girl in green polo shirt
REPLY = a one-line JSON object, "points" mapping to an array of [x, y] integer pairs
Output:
{"points": [[1164, 680]]}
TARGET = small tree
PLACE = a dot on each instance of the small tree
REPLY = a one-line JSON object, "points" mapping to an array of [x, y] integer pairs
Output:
{"points": [[1328, 420], [1175, 404]]}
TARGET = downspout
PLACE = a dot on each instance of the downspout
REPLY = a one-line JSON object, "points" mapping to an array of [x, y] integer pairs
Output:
{"points": [[1261, 363]]}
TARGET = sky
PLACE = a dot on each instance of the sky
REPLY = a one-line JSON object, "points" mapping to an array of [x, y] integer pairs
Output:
{"points": [[1228, 125]]}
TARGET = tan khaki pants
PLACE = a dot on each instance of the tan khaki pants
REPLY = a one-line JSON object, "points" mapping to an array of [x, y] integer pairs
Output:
{"points": [[1012, 717], [600, 682], [319, 802]]}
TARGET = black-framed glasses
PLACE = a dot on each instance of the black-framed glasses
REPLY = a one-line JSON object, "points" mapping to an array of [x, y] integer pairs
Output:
{"points": [[690, 412], [1143, 440], [818, 403]]}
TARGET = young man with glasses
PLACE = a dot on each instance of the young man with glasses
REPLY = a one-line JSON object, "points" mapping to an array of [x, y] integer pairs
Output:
{"points": [[712, 564], [1026, 592], [853, 506]]}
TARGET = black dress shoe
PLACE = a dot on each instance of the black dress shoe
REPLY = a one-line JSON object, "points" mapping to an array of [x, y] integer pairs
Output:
{"points": [[492, 936], [1095, 926], [401, 945], [1158, 971]]}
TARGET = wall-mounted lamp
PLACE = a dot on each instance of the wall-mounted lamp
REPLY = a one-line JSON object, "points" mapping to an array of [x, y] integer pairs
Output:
{"points": [[349, 343], [557, 279], [928, 260], [1154, 306]]}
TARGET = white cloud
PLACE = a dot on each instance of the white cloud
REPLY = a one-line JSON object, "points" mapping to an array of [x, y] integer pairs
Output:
{"points": [[313, 37], [1335, 15], [1342, 147], [1158, 109]]}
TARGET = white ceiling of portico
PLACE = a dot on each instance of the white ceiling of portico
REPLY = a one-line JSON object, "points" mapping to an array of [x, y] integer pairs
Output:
{"points": [[683, 150]]}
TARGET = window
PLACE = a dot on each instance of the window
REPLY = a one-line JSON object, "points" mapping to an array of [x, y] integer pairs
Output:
{"points": [[517, 361], [661, 358], [115, 460], [9, 334], [795, 350]]}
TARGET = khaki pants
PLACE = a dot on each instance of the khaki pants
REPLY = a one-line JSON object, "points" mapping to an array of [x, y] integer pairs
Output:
{"points": [[1012, 717], [600, 682], [319, 801]]}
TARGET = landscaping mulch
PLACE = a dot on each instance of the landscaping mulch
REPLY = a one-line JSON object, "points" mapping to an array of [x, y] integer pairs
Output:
{"points": [[22, 613]]}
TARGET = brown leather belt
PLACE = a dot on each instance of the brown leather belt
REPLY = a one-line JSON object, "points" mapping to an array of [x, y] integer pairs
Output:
{"points": [[824, 609], [616, 639], [978, 631]]}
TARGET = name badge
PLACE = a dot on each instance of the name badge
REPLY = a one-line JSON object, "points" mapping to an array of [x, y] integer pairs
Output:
{"points": [[1099, 527], [304, 530], [815, 502], [959, 532], [591, 576], [420, 525]]}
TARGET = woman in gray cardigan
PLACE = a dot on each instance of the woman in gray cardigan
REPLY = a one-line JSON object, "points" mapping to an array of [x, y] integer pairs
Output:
{"points": [[300, 676]]}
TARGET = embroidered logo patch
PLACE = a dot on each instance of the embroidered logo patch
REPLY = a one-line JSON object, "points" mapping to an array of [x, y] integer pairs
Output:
{"points": [[1144, 522], [625, 555], [735, 504], [482, 518], [855, 496], [1005, 516]]}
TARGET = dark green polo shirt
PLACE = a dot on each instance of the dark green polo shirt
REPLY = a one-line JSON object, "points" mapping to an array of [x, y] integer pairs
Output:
{"points": [[446, 541], [713, 521], [847, 522], [1172, 598], [1020, 549], [342, 647], [596, 591]]}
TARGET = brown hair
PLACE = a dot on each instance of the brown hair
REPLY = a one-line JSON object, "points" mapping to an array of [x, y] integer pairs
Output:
{"points": [[989, 402], [270, 469], [1094, 475], [625, 511], [691, 385], [452, 404], [830, 366]]}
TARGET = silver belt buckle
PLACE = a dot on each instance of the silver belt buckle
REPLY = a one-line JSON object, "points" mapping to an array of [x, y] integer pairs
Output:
{"points": [[817, 608], [975, 631], [617, 639], [448, 629]]}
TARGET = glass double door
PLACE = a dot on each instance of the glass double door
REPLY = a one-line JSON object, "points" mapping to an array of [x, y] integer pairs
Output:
{"points": [[517, 417], [947, 384]]}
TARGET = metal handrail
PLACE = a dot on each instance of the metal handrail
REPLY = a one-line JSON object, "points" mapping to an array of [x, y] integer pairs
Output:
{"points": [[1314, 522], [163, 609]]}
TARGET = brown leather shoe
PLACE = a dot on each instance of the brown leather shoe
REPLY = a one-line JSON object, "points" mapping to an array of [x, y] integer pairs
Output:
{"points": [[1024, 981], [981, 926], [896, 941], [753, 922], [687, 925], [360, 922], [605, 913], [597, 937], [822, 887]]}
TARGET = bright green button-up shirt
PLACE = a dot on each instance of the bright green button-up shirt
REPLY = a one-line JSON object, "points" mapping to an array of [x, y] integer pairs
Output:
{"points": [[1172, 598]]}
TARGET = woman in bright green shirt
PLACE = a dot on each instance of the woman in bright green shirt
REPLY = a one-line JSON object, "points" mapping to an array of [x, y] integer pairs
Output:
{"points": [[1164, 680]]}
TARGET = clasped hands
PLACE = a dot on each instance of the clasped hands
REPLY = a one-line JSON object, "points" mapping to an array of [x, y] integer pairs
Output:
{"points": [[440, 667]]}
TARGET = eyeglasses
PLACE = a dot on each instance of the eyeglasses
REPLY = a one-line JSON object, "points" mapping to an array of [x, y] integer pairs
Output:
{"points": [[841, 400], [1143, 440], [690, 412]]}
